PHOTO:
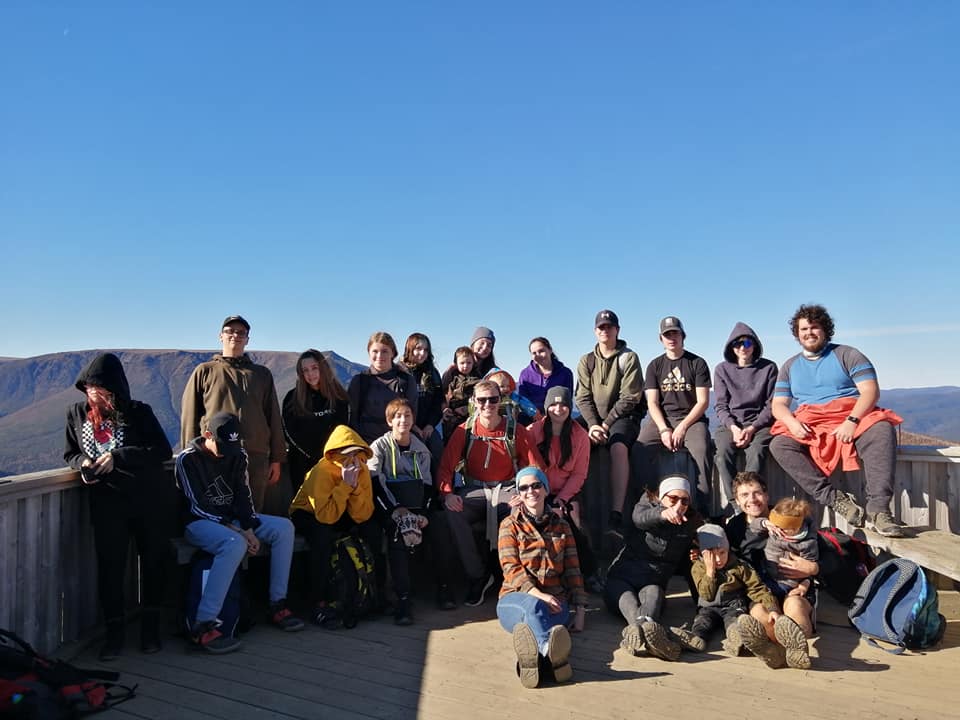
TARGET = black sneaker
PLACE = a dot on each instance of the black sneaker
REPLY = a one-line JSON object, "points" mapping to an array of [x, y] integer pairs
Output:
{"points": [[477, 590], [207, 637], [445, 599], [401, 613], [326, 617]]}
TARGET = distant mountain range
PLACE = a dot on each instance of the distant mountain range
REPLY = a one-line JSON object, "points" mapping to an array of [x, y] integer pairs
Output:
{"points": [[35, 393]]}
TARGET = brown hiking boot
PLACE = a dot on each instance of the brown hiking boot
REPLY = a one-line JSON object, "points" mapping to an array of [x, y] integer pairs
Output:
{"points": [[558, 653], [733, 642], [658, 642], [756, 641], [794, 642], [687, 639], [632, 640], [528, 655], [846, 505], [883, 523]]}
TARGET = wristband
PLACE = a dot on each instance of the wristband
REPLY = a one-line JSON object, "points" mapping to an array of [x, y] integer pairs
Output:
{"points": [[664, 430]]}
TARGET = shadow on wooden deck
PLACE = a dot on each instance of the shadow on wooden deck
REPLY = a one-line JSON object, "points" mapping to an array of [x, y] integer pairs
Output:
{"points": [[459, 664]]}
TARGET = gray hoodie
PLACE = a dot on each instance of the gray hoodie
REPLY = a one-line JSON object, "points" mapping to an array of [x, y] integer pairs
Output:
{"points": [[743, 394]]}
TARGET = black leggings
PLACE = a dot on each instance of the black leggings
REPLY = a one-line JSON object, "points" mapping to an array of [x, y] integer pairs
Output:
{"points": [[111, 538]]}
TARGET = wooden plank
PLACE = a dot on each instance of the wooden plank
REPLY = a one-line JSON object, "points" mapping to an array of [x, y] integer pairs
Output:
{"points": [[29, 578], [9, 539], [49, 602], [935, 550]]}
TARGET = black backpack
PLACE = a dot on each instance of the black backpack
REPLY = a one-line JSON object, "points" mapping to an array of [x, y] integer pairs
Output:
{"points": [[354, 579], [33, 686], [844, 563], [230, 612]]}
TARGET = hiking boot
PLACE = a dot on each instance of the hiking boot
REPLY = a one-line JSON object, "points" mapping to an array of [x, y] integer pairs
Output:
{"points": [[282, 618], [150, 631], [113, 641], [883, 523], [631, 640], [326, 617], [528, 656], [846, 505], [207, 636], [477, 590], [401, 612], [658, 642], [445, 599], [756, 641], [687, 639], [794, 642], [733, 642], [558, 653]]}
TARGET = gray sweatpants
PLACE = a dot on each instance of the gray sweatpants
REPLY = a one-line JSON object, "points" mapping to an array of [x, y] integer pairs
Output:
{"points": [[877, 449]]}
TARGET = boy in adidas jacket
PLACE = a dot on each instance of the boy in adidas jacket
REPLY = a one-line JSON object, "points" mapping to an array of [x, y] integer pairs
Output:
{"points": [[220, 519]]}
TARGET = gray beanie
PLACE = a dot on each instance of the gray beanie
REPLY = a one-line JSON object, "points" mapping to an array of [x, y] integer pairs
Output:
{"points": [[559, 394], [712, 537], [483, 332], [673, 482]]}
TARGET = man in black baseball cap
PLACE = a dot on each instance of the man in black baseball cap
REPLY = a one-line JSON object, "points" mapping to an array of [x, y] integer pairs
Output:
{"points": [[610, 400]]}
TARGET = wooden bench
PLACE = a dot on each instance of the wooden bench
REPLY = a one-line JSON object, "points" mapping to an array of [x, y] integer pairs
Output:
{"points": [[936, 550]]}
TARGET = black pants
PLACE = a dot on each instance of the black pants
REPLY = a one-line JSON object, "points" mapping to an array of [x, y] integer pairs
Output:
{"points": [[111, 537], [321, 538], [708, 618], [437, 538]]}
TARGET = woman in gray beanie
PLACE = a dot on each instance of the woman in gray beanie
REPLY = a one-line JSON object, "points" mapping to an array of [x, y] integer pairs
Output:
{"points": [[658, 543]]}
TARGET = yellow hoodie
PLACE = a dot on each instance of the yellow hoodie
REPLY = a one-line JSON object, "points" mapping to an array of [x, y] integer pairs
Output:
{"points": [[324, 493]]}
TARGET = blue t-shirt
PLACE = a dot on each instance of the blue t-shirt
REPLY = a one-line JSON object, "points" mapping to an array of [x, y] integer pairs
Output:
{"points": [[833, 375]]}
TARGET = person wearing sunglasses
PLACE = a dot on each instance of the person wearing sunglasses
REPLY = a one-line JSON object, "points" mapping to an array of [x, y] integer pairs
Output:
{"points": [[541, 583], [743, 392], [484, 454], [655, 549]]}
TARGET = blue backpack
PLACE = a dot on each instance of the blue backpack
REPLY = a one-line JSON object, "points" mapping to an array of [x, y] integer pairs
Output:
{"points": [[896, 603]]}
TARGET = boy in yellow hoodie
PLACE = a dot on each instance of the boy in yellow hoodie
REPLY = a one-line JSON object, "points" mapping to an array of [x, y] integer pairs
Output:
{"points": [[336, 498]]}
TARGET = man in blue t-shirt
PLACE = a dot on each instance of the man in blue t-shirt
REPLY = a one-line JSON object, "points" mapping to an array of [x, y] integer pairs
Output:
{"points": [[829, 381]]}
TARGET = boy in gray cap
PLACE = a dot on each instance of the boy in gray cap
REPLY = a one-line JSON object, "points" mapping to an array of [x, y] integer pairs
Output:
{"points": [[726, 587]]}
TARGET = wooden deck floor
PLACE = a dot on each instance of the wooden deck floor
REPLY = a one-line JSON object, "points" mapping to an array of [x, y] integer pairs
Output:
{"points": [[459, 665]]}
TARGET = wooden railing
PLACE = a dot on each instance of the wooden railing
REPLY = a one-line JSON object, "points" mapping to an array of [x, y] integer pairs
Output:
{"points": [[48, 585]]}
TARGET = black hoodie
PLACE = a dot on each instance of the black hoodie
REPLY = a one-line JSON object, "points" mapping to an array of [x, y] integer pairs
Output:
{"points": [[743, 394], [137, 476]]}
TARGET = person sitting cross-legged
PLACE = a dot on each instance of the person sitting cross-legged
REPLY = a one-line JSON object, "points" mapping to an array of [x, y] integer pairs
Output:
{"points": [[220, 519]]}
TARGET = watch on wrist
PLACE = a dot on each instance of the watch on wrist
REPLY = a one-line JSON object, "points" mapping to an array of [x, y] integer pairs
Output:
{"points": [[854, 420]]}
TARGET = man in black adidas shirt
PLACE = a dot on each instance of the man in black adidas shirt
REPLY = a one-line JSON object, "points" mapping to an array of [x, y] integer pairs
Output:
{"points": [[677, 387]]}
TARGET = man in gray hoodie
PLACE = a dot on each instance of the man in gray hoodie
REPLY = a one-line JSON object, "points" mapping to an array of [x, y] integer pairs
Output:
{"points": [[743, 393]]}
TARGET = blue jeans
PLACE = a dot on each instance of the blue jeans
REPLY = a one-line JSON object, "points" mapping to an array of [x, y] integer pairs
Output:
{"points": [[520, 607], [228, 548]]}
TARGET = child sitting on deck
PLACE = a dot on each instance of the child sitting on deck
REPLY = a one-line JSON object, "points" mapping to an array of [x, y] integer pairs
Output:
{"points": [[727, 587]]}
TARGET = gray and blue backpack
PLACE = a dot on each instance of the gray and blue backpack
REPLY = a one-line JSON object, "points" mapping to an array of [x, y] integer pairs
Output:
{"points": [[897, 604]]}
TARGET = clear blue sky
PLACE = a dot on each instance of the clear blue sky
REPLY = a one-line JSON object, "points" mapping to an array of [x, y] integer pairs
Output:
{"points": [[331, 169]]}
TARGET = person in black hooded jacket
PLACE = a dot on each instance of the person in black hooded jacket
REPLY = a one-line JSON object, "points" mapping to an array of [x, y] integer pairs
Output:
{"points": [[743, 387], [119, 448]]}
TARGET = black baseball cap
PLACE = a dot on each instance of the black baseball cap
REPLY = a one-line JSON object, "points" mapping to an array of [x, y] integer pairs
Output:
{"points": [[225, 429], [235, 319], [606, 317]]}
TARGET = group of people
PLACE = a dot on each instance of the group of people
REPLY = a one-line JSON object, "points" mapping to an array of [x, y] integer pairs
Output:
{"points": [[489, 472]]}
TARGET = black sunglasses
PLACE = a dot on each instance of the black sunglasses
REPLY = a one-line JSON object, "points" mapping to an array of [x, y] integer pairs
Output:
{"points": [[532, 486], [746, 343], [484, 400]]}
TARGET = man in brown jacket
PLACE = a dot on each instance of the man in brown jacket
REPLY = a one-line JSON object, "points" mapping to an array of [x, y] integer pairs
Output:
{"points": [[231, 382]]}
